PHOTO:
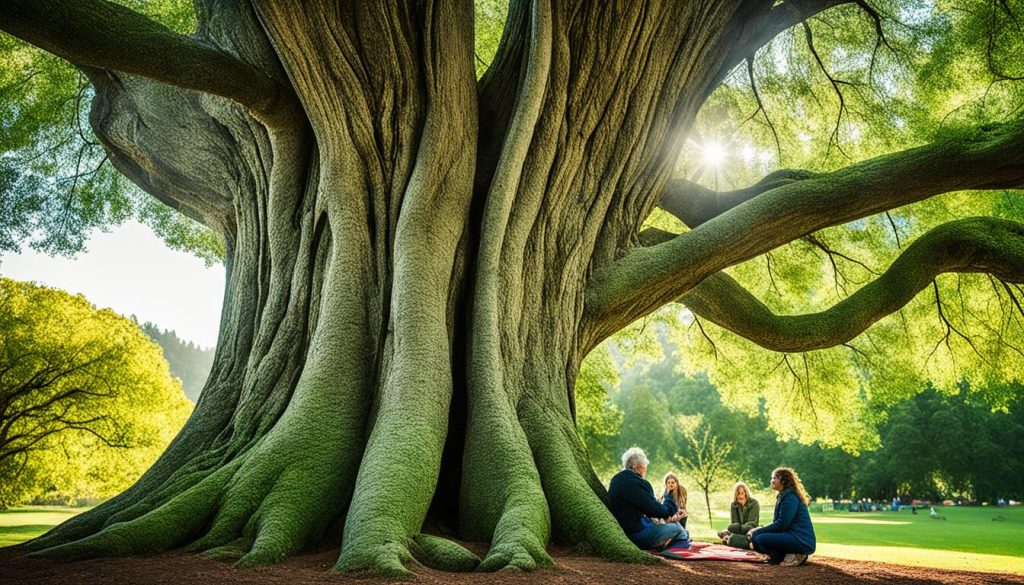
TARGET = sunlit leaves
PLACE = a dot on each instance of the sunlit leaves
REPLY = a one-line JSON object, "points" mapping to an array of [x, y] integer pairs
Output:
{"points": [[598, 420], [490, 21], [940, 68], [56, 184], [86, 399]]}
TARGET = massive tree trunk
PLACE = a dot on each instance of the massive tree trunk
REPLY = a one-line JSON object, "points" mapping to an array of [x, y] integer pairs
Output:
{"points": [[418, 262]]}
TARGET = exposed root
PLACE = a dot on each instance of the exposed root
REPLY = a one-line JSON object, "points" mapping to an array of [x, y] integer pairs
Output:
{"points": [[443, 554], [501, 496], [387, 560], [231, 551], [580, 516], [281, 501], [515, 548], [166, 527]]}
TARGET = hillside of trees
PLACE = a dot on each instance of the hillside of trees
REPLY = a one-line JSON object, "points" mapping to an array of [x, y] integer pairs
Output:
{"points": [[188, 361]]}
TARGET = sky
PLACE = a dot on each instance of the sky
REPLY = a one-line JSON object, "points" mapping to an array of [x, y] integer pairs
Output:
{"points": [[133, 272]]}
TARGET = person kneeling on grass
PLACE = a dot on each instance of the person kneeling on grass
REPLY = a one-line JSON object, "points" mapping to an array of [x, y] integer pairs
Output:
{"points": [[789, 539], [745, 514], [632, 502]]}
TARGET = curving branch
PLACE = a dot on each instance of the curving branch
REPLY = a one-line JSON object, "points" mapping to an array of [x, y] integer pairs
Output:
{"points": [[977, 244], [105, 35], [694, 204], [647, 278]]}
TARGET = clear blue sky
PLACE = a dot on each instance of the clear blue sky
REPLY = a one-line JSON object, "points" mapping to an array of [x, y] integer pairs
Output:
{"points": [[131, 271]]}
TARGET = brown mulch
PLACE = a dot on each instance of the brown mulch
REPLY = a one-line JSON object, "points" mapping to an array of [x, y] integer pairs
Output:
{"points": [[177, 568]]}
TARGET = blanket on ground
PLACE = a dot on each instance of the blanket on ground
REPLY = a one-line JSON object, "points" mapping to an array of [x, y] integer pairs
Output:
{"points": [[706, 551]]}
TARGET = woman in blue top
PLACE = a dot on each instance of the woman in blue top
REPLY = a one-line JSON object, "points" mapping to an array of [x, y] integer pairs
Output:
{"points": [[789, 539]]}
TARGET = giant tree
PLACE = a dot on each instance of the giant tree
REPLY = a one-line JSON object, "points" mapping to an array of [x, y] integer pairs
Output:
{"points": [[418, 260]]}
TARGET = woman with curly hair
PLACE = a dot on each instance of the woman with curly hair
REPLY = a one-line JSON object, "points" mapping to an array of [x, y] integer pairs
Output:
{"points": [[789, 539]]}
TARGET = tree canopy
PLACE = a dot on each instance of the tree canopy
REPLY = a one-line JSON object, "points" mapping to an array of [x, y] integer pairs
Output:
{"points": [[86, 400], [56, 182], [856, 81]]}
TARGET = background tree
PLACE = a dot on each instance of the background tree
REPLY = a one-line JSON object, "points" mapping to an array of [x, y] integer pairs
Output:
{"points": [[419, 261], [707, 460], [82, 393]]}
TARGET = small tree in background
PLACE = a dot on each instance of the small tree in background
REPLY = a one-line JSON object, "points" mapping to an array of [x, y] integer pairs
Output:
{"points": [[708, 459], [86, 400]]}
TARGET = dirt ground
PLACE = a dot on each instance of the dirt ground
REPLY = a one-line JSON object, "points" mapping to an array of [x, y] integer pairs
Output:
{"points": [[177, 568]]}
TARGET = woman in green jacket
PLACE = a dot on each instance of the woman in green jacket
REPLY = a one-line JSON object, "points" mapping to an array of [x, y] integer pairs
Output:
{"points": [[745, 514]]}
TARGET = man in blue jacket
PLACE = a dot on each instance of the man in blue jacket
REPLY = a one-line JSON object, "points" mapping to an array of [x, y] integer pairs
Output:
{"points": [[633, 504]]}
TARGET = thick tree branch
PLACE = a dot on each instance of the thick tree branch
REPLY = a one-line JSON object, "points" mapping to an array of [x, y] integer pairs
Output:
{"points": [[647, 278], [105, 35], [978, 244], [694, 204]]}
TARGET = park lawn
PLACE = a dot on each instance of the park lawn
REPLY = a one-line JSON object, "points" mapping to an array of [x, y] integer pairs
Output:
{"points": [[971, 538], [21, 524], [970, 530]]}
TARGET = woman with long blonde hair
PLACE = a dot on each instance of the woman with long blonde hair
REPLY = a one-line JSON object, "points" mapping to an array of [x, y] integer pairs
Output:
{"points": [[673, 487], [789, 539], [745, 514]]}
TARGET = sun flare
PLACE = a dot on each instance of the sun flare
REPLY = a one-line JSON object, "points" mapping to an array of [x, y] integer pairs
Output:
{"points": [[713, 154]]}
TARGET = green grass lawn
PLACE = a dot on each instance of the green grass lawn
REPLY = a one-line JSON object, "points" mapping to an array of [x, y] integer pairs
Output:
{"points": [[20, 524], [976, 538], [969, 538], [970, 530]]}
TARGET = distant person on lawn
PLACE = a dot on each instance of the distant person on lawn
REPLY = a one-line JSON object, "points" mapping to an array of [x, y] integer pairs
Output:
{"points": [[632, 502], [674, 488], [789, 539], [745, 514]]}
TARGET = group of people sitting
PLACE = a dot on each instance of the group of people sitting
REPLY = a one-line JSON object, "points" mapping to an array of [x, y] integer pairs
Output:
{"points": [[653, 523]]}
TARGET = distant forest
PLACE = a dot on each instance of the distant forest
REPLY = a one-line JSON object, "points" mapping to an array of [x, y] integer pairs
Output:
{"points": [[187, 360]]}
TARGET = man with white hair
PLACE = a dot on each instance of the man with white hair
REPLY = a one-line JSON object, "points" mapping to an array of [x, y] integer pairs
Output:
{"points": [[632, 502]]}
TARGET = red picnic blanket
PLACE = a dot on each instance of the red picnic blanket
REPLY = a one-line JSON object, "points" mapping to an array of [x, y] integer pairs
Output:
{"points": [[706, 551]]}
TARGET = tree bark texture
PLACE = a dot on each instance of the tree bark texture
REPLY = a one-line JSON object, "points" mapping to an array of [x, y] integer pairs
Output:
{"points": [[411, 258]]}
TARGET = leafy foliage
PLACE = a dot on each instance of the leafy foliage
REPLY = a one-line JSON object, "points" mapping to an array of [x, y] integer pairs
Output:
{"points": [[56, 182], [490, 21], [845, 89], [86, 401], [597, 419]]}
